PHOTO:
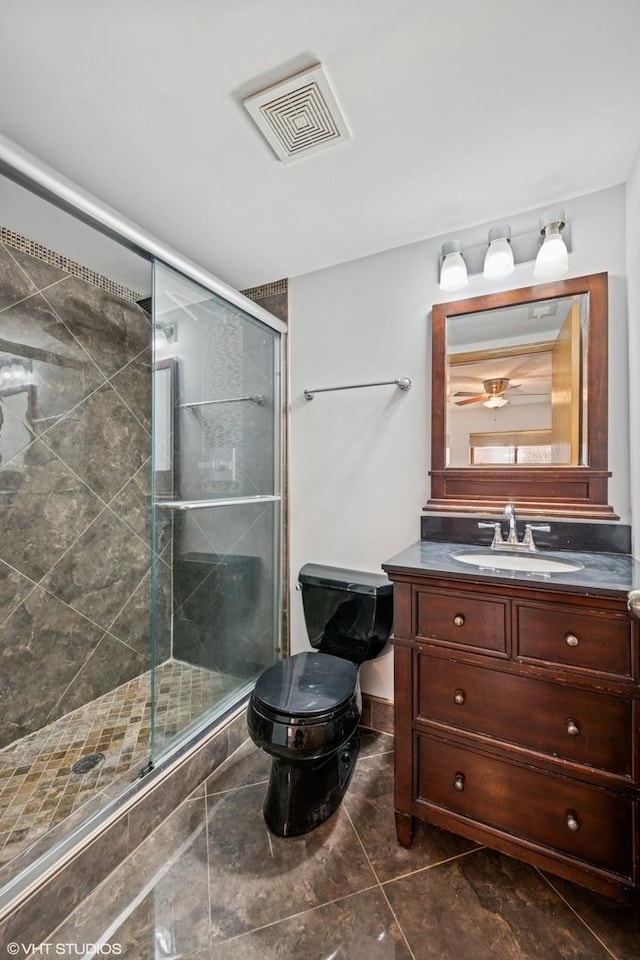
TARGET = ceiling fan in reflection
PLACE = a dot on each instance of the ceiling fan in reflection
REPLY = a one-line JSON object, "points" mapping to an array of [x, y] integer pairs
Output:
{"points": [[493, 396]]}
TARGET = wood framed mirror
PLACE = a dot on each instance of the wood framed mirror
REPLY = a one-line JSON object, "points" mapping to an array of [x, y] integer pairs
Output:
{"points": [[520, 401]]}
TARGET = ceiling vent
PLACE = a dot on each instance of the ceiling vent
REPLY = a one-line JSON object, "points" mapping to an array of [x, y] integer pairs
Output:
{"points": [[299, 116]]}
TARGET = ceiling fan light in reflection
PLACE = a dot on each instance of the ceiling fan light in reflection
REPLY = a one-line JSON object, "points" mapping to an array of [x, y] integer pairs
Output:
{"points": [[498, 261], [494, 403]]}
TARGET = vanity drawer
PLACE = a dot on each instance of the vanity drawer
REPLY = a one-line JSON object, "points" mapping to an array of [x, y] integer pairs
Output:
{"points": [[592, 824], [581, 725], [461, 618], [574, 637]]}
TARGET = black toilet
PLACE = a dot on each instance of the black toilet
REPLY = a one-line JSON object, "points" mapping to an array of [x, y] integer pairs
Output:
{"points": [[305, 710]]}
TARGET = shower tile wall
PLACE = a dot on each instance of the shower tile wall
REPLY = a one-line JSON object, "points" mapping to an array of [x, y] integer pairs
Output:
{"points": [[75, 452]]}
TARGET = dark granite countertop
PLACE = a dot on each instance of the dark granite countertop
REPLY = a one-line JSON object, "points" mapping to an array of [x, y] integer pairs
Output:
{"points": [[602, 573]]}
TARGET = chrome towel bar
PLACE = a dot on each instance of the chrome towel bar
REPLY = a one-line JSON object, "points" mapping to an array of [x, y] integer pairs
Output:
{"points": [[404, 384]]}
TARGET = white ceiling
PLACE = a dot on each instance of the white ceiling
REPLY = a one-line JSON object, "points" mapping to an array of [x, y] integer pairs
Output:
{"points": [[461, 112]]}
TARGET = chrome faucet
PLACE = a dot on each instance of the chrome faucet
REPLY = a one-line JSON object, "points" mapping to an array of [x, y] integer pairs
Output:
{"points": [[527, 544], [510, 514]]}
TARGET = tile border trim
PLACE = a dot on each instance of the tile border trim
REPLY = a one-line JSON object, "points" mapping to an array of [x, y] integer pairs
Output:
{"points": [[46, 255], [267, 289]]}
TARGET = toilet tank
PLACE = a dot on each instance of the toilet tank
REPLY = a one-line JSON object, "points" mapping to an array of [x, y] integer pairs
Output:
{"points": [[348, 613]]}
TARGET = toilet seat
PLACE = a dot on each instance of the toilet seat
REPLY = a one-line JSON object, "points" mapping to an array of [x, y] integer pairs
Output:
{"points": [[307, 686]]}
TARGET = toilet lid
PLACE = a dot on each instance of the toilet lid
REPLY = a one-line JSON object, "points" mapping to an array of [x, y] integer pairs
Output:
{"points": [[307, 684]]}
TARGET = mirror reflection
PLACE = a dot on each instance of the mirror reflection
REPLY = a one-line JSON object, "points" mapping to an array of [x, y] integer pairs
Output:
{"points": [[516, 384]]}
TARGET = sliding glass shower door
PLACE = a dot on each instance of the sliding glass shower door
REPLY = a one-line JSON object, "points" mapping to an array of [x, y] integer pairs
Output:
{"points": [[216, 599]]}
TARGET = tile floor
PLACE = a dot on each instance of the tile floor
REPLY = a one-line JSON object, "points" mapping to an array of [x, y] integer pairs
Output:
{"points": [[211, 883], [38, 789]]}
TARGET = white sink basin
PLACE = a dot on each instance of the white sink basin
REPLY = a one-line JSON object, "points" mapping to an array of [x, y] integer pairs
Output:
{"points": [[526, 562]]}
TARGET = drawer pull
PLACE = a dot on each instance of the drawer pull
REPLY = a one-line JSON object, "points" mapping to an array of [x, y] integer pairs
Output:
{"points": [[573, 729], [571, 640], [458, 782], [458, 620], [572, 821], [460, 697]]}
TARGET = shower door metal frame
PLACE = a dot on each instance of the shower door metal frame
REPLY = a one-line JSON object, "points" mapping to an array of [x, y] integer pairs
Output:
{"points": [[278, 497]]}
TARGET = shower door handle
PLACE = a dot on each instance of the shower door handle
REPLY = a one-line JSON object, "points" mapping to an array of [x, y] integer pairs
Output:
{"points": [[221, 502]]}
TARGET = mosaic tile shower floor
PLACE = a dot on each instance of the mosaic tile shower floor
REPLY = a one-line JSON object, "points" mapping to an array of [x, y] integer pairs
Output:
{"points": [[38, 789]]}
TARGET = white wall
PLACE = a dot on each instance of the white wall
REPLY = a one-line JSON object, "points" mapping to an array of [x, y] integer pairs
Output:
{"points": [[633, 272], [359, 459]]}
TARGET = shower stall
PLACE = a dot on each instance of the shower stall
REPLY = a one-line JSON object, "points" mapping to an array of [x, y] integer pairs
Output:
{"points": [[141, 474]]}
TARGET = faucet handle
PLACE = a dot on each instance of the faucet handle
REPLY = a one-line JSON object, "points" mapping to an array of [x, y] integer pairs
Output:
{"points": [[528, 534], [497, 532]]}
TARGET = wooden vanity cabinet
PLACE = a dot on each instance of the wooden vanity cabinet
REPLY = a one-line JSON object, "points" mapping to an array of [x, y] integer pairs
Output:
{"points": [[517, 723]]}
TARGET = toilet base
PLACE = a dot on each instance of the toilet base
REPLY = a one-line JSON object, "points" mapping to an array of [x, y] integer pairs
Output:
{"points": [[303, 794]]}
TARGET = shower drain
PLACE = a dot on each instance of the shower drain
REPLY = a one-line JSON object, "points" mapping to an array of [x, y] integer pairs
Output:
{"points": [[84, 764]]}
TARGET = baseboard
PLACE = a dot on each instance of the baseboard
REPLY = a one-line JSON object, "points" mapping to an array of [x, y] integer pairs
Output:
{"points": [[377, 714]]}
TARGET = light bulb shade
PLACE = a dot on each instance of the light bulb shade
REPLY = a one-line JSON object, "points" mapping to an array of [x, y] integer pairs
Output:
{"points": [[552, 261], [453, 272], [498, 262], [494, 403], [160, 339]]}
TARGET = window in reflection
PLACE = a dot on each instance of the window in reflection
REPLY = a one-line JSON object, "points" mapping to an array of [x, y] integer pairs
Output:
{"points": [[521, 446]]}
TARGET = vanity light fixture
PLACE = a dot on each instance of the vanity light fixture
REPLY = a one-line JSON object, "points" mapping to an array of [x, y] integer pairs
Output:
{"points": [[498, 261], [453, 269], [15, 374], [164, 335], [552, 261], [159, 339], [504, 251]]}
